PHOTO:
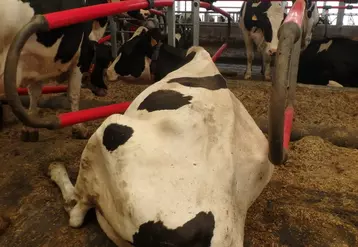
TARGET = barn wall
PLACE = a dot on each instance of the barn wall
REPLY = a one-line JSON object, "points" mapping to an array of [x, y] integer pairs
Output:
{"points": [[216, 33]]}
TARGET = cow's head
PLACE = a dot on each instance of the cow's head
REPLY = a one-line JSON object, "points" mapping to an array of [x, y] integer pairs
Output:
{"points": [[134, 55], [310, 21], [141, 14], [263, 19]]}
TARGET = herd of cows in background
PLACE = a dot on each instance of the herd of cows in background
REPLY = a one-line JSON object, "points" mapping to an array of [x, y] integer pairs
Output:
{"points": [[143, 170]]}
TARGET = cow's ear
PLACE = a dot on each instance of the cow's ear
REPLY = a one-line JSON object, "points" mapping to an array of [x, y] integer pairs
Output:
{"points": [[131, 45], [155, 35]]}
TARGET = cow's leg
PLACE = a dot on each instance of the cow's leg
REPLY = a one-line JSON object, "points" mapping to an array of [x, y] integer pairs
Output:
{"points": [[79, 131], [249, 55], [110, 231], [267, 66], [29, 134], [76, 199]]}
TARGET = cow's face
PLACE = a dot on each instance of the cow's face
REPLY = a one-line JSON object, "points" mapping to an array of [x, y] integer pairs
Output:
{"points": [[141, 14], [134, 55], [263, 19], [309, 23]]}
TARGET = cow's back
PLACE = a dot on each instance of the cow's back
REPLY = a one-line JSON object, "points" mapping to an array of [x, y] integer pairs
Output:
{"points": [[329, 59], [173, 157]]}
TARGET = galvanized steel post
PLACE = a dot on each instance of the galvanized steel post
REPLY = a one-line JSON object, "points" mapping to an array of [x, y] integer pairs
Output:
{"points": [[196, 21], [171, 25]]}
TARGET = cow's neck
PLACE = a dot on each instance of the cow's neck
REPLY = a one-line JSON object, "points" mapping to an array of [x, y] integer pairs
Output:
{"points": [[165, 59]]}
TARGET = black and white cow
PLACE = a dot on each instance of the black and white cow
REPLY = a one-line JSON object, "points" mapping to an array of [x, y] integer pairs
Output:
{"points": [[329, 60], [181, 167], [259, 23], [50, 54], [134, 65], [145, 58]]}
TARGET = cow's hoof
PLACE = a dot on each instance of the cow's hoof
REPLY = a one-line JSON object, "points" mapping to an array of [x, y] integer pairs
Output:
{"points": [[247, 77], [100, 92], [80, 132], [30, 135], [267, 78]]}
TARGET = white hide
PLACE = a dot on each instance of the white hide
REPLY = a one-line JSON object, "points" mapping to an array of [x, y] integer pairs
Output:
{"points": [[309, 25], [206, 156], [97, 31], [275, 15]]}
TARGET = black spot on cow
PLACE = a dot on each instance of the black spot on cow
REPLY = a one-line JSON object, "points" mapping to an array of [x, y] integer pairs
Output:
{"points": [[164, 100], [215, 82], [170, 59], [328, 59], [197, 232], [71, 35], [115, 135], [262, 21], [135, 14], [133, 53]]}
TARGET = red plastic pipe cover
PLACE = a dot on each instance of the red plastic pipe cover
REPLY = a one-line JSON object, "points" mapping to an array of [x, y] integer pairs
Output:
{"points": [[73, 16], [296, 13], [71, 118]]}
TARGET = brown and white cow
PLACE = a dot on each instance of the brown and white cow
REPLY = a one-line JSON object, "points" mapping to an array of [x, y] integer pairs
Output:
{"points": [[181, 167], [260, 22]]}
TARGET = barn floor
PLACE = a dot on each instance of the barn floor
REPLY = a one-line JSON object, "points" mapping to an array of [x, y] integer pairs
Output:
{"points": [[312, 201]]}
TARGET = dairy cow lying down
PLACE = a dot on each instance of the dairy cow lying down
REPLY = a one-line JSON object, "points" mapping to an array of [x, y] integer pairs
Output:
{"points": [[329, 60], [143, 59], [180, 168], [48, 55]]}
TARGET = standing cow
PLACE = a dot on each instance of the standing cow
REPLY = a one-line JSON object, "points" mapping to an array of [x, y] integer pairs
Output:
{"points": [[48, 55], [180, 168], [260, 22]]}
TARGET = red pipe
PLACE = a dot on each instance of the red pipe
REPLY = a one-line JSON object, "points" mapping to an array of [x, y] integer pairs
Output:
{"points": [[215, 9], [104, 39], [296, 13], [332, 7], [45, 90], [71, 118], [219, 52], [74, 16], [287, 126], [156, 12]]}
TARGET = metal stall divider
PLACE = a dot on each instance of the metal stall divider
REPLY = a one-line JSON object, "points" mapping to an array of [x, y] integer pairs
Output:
{"points": [[195, 18], [170, 16]]}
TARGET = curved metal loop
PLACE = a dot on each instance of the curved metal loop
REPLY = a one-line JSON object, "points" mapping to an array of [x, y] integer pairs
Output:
{"points": [[283, 89], [37, 24]]}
